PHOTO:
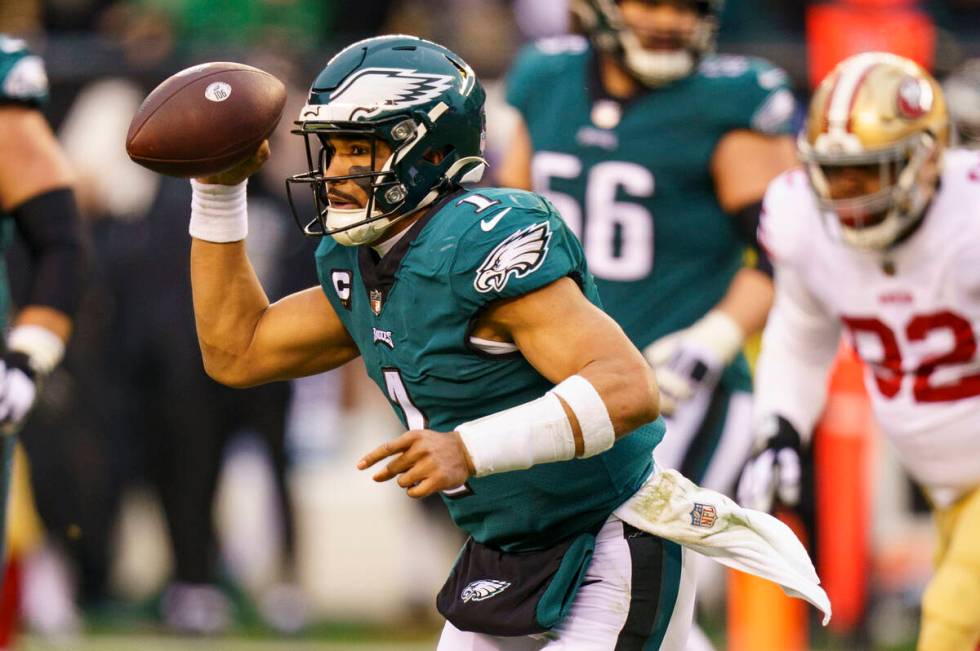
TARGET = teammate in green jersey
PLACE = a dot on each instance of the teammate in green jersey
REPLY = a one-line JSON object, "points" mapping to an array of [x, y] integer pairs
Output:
{"points": [[527, 408], [657, 153], [36, 196]]}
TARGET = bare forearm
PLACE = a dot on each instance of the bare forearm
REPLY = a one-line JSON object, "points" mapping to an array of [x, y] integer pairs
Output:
{"points": [[748, 300], [629, 390], [228, 302]]}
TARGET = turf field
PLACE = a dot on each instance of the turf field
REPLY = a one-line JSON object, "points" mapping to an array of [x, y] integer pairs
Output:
{"points": [[158, 643]]}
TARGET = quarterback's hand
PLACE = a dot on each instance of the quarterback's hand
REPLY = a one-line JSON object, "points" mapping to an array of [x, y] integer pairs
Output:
{"points": [[691, 360], [427, 462], [17, 391], [241, 171], [773, 473]]}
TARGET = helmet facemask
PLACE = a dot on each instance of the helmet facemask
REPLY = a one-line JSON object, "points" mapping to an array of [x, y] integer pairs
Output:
{"points": [[907, 171], [603, 21], [385, 194]]}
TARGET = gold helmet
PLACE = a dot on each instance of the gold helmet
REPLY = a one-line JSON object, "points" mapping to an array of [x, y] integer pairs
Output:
{"points": [[885, 114]]}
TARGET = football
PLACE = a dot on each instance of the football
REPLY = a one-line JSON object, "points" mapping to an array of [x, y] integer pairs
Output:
{"points": [[205, 119]]}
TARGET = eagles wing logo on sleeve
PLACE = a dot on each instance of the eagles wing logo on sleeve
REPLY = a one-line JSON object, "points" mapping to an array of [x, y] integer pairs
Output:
{"points": [[26, 79], [483, 589], [518, 255], [373, 90]]}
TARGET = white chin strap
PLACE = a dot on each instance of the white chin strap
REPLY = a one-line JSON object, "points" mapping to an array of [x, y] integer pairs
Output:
{"points": [[358, 235], [877, 237], [654, 68]]}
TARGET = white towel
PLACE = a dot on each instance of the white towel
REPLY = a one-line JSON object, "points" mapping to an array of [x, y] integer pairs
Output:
{"points": [[671, 506]]}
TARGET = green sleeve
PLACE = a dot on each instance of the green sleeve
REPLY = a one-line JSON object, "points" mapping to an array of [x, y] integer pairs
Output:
{"points": [[520, 79], [774, 105], [536, 64], [22, 76], [758, 94], [526, 250]]}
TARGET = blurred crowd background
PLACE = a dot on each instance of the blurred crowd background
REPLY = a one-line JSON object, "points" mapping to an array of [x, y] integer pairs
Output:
{"points": [[157, 498]]}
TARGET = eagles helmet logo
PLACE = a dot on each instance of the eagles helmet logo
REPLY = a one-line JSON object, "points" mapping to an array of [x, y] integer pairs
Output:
{"points": [[483, 589], [373, 90], [518, 255]]}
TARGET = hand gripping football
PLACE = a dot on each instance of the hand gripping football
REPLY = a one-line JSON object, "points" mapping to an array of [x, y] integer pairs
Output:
{"points": [[205, 119]]}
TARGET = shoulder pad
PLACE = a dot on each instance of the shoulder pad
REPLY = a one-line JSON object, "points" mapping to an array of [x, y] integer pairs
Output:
{"points": [[565, 44], [538, 64], [22, 75], [514, 243], [788, 214], [961, 167], [759, 93]]}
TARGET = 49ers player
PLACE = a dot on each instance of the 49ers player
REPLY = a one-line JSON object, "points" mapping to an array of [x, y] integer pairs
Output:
{"points": [[878, 238]]}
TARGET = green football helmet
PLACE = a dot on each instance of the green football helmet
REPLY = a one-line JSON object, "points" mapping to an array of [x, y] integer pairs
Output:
{"points": [[419, 98], [604, 24]]}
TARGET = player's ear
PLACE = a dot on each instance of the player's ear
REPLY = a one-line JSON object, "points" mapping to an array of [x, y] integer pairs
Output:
{"points": [[435, 156]]}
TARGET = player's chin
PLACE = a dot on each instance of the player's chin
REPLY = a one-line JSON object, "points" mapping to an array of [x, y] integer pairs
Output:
{"points": [[345, 205], [859, 220]]}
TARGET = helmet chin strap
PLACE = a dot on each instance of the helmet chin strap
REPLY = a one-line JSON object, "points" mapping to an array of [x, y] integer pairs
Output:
{"points": [[655, 67], [371, 231], [356, 235], [909, 201]]}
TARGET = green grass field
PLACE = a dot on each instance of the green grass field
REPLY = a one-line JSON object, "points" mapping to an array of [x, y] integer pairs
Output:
{"points": [[158, 643]]}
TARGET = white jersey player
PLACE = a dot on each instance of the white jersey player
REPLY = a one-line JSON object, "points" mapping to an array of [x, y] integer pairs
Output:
{"points": [[878, 240]]}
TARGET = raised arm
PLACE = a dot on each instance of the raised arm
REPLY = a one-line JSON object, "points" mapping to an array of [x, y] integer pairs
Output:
{"points": [[244, 339]]}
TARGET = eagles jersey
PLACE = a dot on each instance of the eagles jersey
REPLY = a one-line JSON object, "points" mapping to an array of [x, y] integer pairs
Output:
{"points": [[912, 314], [22, 81], [411, 314], [632, 178]]}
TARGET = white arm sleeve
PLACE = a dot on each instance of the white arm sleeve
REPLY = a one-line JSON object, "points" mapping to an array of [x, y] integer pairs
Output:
{"points": [[798, 345]]}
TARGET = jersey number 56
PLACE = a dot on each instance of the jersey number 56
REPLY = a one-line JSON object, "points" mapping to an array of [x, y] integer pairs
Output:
{"points": [[604, 218]]}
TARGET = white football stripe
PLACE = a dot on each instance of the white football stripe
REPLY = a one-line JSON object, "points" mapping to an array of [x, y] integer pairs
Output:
{"points": [[844, 90]]}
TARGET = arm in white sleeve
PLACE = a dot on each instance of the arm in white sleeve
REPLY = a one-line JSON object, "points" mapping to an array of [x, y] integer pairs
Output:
{"points": [[798, 345]]}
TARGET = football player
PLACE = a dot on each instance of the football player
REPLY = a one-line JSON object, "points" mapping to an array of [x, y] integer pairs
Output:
{"points": [[476, 315], [878, 238], [657, 153], [35, 195]]}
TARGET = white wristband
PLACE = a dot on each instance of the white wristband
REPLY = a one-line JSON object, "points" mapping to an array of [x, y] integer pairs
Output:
{"points": [[582, 398], [43, 347], [219, 213], [519, 437]]}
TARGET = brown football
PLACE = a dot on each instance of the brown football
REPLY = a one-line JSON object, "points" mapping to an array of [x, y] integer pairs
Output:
{"points": [[205, 119]]}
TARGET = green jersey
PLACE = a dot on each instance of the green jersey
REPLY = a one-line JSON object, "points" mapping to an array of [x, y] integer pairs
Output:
{"points": [[633, 178], [22, 81], [411, 314]]}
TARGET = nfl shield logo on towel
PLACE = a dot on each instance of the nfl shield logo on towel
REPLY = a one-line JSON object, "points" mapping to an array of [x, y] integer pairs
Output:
{"points": [[703, 515]]}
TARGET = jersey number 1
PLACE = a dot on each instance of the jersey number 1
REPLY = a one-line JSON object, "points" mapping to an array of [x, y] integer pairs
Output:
{"points": [[604, 216], [398, 394]]}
